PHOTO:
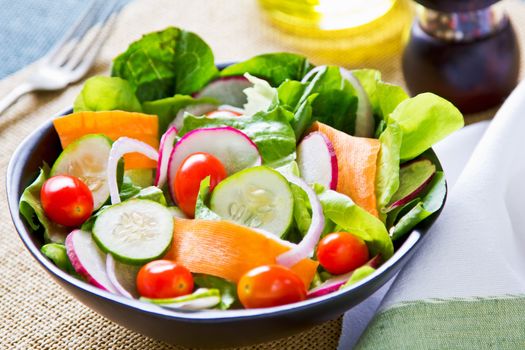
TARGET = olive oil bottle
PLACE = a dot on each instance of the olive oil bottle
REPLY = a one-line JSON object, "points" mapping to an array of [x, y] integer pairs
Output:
{"points": [[344, 32]]}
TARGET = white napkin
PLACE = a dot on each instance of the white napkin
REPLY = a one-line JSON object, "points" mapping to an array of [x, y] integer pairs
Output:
{"points": [[465, 287]]}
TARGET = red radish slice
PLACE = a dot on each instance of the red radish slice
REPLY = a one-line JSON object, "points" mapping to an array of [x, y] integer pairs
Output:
{"points": [[227, 90], [122, 277], [306, 247], [87, 259], [333, 284], [413, 178], [317, 160], [197, 109], [364, 122], [166, 146], [121, 146], [232, 147]]}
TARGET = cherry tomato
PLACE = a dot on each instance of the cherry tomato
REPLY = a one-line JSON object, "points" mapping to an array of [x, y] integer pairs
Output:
{"points": [[164, 279], [224, 113], [66, 200], [270, 285], [195, 168], [341, 252]]}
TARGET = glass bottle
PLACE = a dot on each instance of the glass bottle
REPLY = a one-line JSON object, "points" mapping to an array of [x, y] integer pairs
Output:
{"points": [[463, 50]]}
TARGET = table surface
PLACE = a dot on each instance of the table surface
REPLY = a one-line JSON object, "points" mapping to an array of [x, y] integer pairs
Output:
{"points": [[35, 312]]}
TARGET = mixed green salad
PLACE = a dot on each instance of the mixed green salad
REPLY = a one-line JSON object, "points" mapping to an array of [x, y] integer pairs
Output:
{"points": [[265, 183]]}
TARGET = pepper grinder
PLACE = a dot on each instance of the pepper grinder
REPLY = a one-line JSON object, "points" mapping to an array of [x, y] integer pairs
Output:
{"points": [[463, 50]]}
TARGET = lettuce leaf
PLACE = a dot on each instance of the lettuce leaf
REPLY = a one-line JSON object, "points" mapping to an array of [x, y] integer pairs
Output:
{"points": [[163, 63], [359, 274], [424, 120], [202, 211], [429, 204], [270, 131], [290, 94], [167, 108], [227, 289], [349, 217], [102, 93], [57, 253], [387, 177], [261, 97], [275, 68], [32, 211]]}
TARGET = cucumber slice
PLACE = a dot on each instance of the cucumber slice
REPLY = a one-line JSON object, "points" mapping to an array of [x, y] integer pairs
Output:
{"points": [[135, 231], [257, 197], [87, 158]]}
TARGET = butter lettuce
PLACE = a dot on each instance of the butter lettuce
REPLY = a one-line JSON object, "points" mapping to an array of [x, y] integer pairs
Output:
{"points": [[350, 217], [275, 68], [57, 254], [167, 108], [103, 93], [164, 63], [227, 289], [387, 177], [424, 120], [32, 211], [270, 131]]}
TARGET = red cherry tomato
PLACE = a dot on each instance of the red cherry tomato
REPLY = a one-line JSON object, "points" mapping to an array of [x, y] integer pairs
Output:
{"points": [[164, 279], [270, 285], [341, 252], [66, 200], [195, 168], [224, 113]]}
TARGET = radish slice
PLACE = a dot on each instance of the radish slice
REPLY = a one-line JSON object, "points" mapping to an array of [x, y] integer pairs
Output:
{"points": [[228, 90], [317, 160], [121, 146], [88, 260], [197, 109], [166, 146], [122, 277], [364, 122], [333, 284], [305, 248], [231, 108], [231, 146], [413, 179]]}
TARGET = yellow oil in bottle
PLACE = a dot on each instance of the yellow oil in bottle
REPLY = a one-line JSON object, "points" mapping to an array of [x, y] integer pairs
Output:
{"points": [[351, 33]]}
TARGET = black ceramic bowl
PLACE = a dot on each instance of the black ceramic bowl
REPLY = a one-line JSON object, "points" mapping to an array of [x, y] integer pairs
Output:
{"points": [[193, 329]]}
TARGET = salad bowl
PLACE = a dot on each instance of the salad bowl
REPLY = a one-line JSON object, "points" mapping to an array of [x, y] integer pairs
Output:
{"points": [[211, 328]]}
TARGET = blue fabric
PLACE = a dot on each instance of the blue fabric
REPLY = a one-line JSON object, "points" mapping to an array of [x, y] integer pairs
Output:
{"points": [[29, 28]]}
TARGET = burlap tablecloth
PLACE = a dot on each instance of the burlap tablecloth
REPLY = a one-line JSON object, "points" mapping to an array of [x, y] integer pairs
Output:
{"points": [[35, 313]]}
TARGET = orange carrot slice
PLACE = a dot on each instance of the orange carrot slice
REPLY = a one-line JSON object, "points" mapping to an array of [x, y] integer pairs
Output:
{"points": [[113, 124], [357, 165], [229, 250]]}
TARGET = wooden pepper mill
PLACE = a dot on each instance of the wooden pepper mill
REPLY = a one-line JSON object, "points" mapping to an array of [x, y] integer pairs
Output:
{"points": [[463, 50]]}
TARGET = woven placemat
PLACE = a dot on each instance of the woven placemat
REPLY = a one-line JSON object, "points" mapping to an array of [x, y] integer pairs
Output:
{"points": [[35, 313]]}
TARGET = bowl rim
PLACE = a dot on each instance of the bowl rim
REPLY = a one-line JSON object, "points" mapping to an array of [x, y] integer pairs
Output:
{"points": [[15, 169]]}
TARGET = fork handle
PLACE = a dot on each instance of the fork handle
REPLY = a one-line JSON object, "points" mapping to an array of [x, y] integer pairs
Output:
{"points": [[14, 95]]}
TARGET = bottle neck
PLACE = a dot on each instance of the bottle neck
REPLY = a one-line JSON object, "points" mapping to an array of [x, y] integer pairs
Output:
{"points": [[462, 26]]}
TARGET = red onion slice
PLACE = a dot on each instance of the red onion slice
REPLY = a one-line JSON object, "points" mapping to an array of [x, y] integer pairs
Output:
{"points": [[120, 147], [112, 275], [166, 146], [311, 73], [306, 247]]}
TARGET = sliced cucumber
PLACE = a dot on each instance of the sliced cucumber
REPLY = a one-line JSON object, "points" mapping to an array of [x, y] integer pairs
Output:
{"points": [[257, 197], [87, 158], [135, 231]]}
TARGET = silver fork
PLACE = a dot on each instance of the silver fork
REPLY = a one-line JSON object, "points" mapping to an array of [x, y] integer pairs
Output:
{"points": [[70, 59]]}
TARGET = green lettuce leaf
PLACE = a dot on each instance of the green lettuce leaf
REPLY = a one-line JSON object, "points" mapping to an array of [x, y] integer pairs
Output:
{"points": [[261, 97], [302, 210], [32, 211], [387, 177], [202, 211], [164, 63], [102, 93], [290, 94], [359, 274], [349, 217], [227, 289], [152, 193], [424, 120], [336, 103], [57, 254], [270, 131], [430, 203], [167, 108], [272, 67]]}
